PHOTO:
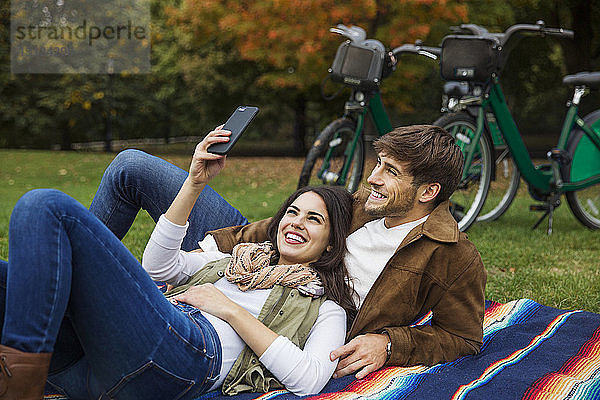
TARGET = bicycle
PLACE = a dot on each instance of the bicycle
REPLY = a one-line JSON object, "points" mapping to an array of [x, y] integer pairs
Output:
{"points": [[505, 177], [574, 164], [337, 155]]}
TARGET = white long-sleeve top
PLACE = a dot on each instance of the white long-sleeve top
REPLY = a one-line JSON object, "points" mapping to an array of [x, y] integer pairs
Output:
{"points": [[301, 371]]}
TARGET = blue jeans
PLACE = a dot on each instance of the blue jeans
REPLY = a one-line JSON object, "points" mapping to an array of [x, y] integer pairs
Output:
{"points": [[71, 287], [137, 180]]}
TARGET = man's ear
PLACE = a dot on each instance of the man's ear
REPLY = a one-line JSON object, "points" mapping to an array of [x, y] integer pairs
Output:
{"points": [[429, 192]]}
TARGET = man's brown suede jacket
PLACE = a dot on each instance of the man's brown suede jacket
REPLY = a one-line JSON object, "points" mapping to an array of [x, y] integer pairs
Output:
{"points": [[436, 268]]}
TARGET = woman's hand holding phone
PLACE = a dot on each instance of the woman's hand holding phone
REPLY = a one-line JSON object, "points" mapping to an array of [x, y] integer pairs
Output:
{"points": [[205, 166]]}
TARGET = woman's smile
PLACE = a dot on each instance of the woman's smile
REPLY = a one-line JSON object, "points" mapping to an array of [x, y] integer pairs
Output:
{"points": [[294, 238]]}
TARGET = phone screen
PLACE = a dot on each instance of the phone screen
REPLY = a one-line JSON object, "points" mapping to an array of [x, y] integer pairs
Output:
{"points": [[237, 124]]}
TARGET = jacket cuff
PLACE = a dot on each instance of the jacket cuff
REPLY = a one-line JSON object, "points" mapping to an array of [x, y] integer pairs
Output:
{"points": [[208, 244], [400, 345]]}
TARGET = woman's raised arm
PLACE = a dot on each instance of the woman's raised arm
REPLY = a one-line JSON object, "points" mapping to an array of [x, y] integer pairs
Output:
{"points": [[163, 259], [203, 168]]}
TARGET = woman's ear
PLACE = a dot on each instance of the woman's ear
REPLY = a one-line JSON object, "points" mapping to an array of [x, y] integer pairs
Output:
{"points": [[429, 192]]}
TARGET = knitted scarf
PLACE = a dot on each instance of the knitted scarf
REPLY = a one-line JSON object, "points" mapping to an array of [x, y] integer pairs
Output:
{"points": [[250, 269]]}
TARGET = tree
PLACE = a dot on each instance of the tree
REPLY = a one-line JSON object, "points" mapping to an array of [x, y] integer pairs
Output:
{"points": [[42, 110], [288, 42]]}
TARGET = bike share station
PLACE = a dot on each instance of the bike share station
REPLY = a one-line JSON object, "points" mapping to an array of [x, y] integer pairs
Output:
{"points": [[477, 115]]}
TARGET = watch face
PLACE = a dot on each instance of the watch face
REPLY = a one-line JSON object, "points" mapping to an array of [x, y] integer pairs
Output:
{"points": [[389, 350]]}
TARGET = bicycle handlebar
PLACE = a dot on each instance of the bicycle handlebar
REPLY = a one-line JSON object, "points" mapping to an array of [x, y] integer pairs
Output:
{"points": [[431, 52], [539, 27], [560, 32], [508, 39], [357, 34], [354, 33], [505, 36]]}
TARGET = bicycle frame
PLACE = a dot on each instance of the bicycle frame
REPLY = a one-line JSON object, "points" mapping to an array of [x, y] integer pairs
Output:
{"points": [[357, 110], [547, 181]]}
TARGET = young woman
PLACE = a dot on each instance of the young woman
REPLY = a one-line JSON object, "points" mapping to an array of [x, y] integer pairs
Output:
{"points": [[80, 308]]}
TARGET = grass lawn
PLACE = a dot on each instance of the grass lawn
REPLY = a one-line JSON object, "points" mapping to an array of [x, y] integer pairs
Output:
{"points": [[559, 270]]}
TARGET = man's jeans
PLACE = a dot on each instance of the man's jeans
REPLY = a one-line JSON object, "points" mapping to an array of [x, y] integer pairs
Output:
{"points": [[137, 180], [71, 287]]}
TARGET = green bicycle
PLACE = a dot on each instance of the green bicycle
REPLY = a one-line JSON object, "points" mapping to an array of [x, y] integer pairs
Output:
{"points": [[505, 177], [337, 155], [574, 164]]}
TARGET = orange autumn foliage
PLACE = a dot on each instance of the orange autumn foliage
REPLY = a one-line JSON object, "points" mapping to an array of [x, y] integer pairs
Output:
{"points": [[290, 39]]}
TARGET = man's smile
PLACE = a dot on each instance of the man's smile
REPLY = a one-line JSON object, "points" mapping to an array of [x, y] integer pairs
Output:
{"points": [[376, 195]]}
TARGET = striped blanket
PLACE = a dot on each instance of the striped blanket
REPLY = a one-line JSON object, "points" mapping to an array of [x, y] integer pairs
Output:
{"points": [[529, 352]]}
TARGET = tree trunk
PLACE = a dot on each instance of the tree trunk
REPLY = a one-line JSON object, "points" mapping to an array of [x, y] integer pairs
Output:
{"points": [[578, 52], [299, 133], [168, 127], [108, 134], [65, 141]]}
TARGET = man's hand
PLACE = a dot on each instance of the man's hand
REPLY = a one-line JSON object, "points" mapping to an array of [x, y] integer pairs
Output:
{"points": [[365, 354]]}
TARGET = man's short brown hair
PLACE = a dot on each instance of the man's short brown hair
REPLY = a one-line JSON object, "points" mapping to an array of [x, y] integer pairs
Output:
{"points": [[430, 154]]}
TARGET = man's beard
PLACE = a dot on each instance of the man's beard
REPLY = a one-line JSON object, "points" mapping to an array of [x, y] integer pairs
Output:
{"points": [[393, 207]]}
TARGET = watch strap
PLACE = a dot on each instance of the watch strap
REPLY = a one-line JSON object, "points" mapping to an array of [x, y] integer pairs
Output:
{"points": [[388, 347]]}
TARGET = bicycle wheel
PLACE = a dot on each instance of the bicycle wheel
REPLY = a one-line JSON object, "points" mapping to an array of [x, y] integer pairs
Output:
{"points": [[503, 187], [328, 154], [468, 199], [585, 156]]}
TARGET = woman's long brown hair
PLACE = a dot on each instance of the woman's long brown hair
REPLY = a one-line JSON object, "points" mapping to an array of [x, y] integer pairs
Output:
{"points": [[330, 266]]}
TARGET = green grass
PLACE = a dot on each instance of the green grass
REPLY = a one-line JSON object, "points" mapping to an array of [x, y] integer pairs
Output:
{"points": [[255, 186], [559, 270]]}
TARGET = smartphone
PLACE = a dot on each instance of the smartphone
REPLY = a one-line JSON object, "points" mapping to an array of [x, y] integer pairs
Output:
{"points": [[237, 124]]}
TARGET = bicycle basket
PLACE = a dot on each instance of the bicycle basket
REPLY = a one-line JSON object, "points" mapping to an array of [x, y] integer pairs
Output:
{"points": [[358, 64], [469, 58]]}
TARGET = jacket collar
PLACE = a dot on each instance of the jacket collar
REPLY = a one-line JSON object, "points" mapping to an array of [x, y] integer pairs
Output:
{"points": [[439, 226]]}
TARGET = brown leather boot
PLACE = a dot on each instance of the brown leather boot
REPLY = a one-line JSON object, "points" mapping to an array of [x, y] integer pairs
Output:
{"points": [[22, 375]]}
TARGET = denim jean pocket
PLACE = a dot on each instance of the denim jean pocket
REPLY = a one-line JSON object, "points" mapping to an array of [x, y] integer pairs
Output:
{"points": [[199, 344], [150, 381]]}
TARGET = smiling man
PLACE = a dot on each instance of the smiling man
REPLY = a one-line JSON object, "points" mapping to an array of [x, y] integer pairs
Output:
{"points": [[405, 255], [407, 258]]}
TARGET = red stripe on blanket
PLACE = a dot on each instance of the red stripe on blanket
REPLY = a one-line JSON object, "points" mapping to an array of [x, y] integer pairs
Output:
{"points": [[576, 375]]}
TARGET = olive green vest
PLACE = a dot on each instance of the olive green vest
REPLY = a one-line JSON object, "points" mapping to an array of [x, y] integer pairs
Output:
{"points": [[286, 312]]}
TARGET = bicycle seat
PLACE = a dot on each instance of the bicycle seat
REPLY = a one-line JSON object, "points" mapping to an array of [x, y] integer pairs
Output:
{"points": [[589, 79]]}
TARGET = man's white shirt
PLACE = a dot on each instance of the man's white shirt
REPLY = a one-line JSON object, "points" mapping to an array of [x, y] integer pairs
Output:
{"points": [[369, 248]]}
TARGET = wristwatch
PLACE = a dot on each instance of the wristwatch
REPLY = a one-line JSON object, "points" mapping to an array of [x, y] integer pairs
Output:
{"points": [[388, 347]]}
